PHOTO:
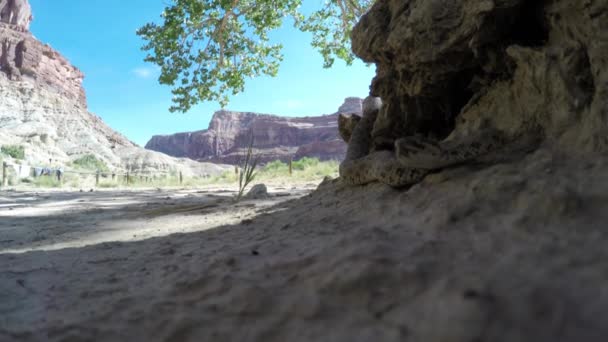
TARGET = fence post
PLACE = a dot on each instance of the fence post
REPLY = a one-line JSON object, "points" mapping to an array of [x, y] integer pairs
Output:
{"points": [[97, 178], [4, 174], [127, 177], [113, 176], [181, 178], [290, 165]]}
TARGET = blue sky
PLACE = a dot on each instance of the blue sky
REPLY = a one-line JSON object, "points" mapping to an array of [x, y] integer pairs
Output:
{"points": [[99, 38]]}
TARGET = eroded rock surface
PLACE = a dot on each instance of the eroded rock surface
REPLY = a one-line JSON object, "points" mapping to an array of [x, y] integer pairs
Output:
{"points": [[461, 80], [24, 58], [17, 13]]}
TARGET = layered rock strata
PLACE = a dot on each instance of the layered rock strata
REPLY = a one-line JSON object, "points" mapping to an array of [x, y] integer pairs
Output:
{"points": [[274, 137], [17, 13], [43, 106], [24, 58]]}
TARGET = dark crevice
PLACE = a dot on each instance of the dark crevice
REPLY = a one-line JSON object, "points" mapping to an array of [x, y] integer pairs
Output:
{"points": [[530, 27], [20, 54], [434, 116], [584, 81], [527, 28], [445, 109]]}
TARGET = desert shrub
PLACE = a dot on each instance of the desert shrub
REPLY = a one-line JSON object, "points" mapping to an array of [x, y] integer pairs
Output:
{"points": [[224, 177], [46, 182], [108, 184], [305, 163], [320, 170], [307, 169], [14, 151], [90, 162], [275, 169], [276, 166]]}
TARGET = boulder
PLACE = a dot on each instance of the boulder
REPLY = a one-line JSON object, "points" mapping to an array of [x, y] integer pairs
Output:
{"points": [[258, 191]]}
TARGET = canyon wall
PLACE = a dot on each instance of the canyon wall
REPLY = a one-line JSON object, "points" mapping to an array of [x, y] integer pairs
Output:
{"points": [[24, 58], [274, 137], [43, 107]]}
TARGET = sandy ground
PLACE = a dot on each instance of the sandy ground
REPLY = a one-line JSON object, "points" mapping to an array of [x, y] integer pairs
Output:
{"points": [[45, 220], [510, 252]]}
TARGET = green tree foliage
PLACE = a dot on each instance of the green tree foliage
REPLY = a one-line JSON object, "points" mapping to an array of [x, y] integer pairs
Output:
{"points": [[207, 48]]}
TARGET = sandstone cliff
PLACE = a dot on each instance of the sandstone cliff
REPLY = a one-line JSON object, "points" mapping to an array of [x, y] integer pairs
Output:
{"points": [[43, 105], [275, 137], [17, 13]]}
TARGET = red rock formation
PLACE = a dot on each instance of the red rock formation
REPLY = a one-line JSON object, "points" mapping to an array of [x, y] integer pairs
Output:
{"points": [[43, 108], [42, 97], [275, 137], [17, 13], [23, 57]]}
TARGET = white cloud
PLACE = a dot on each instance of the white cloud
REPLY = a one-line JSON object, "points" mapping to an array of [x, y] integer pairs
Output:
{"points": [[145, 72]]}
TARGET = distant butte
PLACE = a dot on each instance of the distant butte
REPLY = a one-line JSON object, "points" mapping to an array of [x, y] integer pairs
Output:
{"points": [[275, 137]]}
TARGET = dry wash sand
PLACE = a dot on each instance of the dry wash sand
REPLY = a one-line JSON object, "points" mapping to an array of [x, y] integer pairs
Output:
{"points": [[53, 220], [512, 252]]}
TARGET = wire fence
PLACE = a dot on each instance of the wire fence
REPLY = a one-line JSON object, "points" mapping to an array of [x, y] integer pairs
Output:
{"points": [[18, 173]]}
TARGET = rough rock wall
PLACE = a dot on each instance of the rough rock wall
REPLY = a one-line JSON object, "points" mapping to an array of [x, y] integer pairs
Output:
{"points": [[275, 137], [42, 100], [509, 62], [52, 127], [17, 13], [23, 57]]}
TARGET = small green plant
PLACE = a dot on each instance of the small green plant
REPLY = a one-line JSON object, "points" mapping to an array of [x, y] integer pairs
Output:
{"points": [[305, 163], [108, 185], [90, 162], [247, 172], [276, 166], [14, 151], [305, 169], [224, 177]]}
